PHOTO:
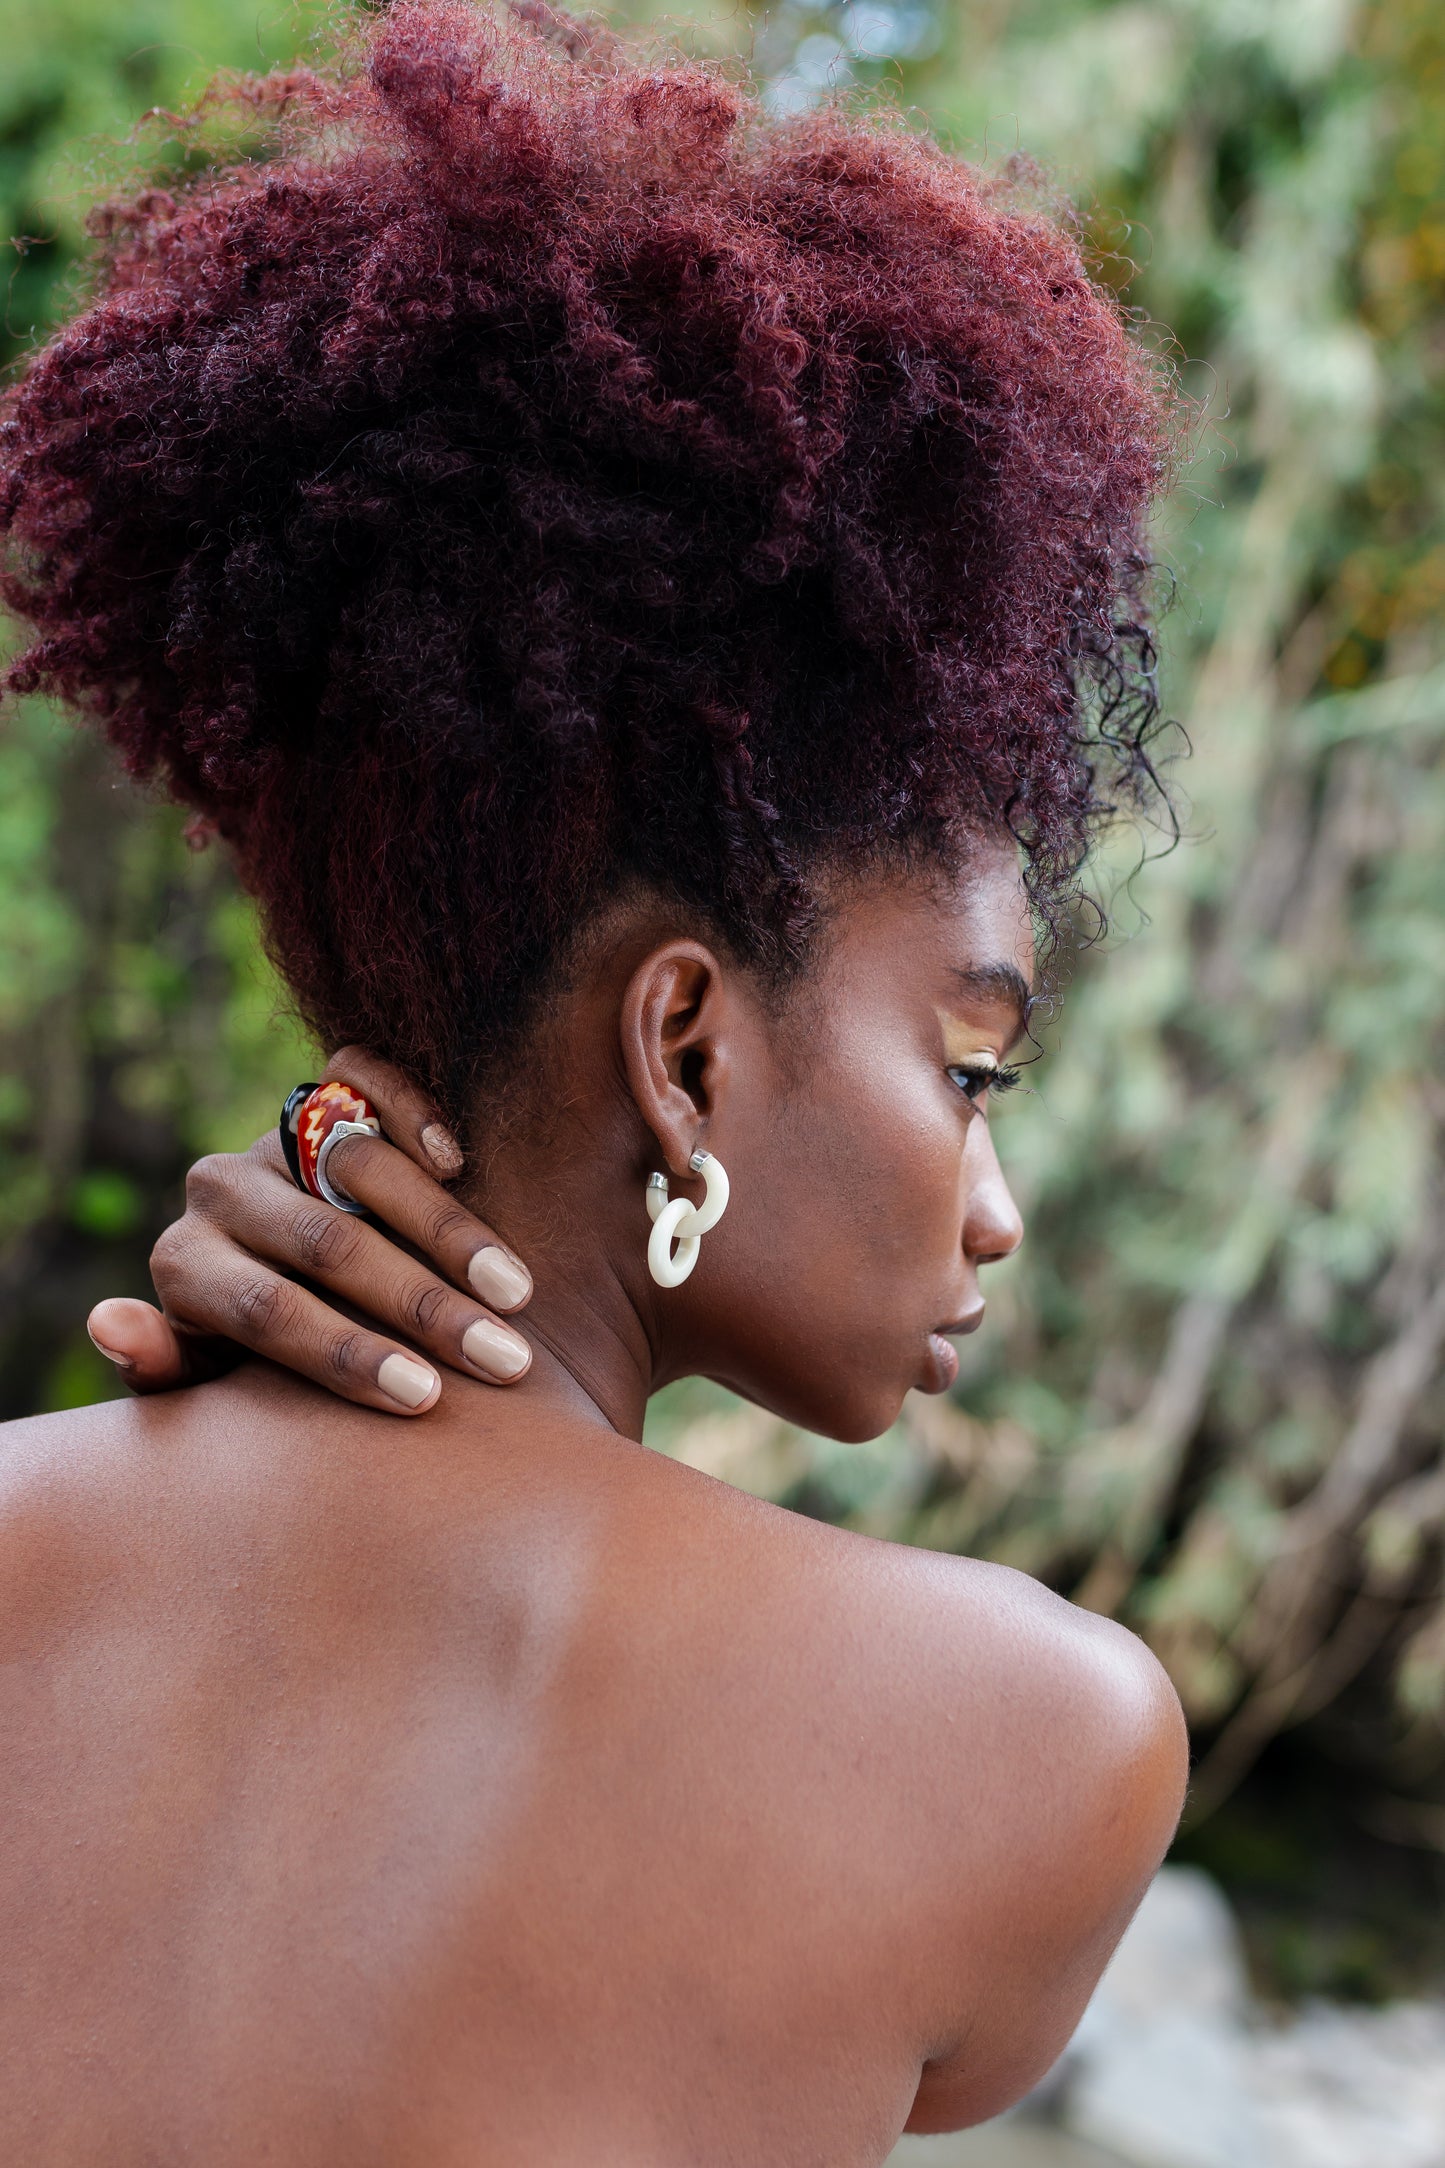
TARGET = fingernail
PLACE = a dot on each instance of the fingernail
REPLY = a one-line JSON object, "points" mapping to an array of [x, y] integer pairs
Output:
{"points": [[441, 1149], [122, 1362], [402, 1379], [498, 1279], [492, 1348]]}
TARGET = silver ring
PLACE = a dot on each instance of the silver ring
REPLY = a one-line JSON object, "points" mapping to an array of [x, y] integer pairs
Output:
{"points": [[341, 1198]]}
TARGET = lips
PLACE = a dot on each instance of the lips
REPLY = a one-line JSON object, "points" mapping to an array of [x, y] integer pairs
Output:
{"points": [[940, 1365], [940, 1368], [968, 1323]]}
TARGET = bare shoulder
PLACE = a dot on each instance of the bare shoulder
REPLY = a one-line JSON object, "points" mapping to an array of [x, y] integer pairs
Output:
{"points": [[1060, 1689], [1006, 1705], [959, 1648], [1025, 1758], [125, 1480], [42, 1457], [58, 1475], [78, 1453], [1055, 1798]]}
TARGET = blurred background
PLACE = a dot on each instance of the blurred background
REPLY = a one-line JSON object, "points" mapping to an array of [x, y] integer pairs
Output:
{"points": [[1210, 1398]]}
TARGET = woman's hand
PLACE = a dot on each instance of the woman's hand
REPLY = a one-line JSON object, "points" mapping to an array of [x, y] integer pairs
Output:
{"points": [[227, 1272]]}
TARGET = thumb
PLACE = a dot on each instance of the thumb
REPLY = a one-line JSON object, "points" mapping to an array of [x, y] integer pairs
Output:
{"points": [[148, 1351]]}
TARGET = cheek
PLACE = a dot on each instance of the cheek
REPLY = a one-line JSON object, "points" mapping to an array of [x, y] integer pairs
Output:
{"points": [[840, 1249], [909, 1193], [845, 1256], [889, 1146]]}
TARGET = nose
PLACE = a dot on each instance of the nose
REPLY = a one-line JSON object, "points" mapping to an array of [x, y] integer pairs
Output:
{"points": [[993, 1226]]}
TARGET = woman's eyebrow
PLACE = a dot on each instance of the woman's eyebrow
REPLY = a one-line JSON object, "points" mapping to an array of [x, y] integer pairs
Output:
{"points": [[998, 982]]}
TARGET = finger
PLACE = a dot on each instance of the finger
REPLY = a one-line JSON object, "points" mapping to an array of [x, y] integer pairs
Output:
{"points": [[340, 1252], [407, 1115], [272, 1316], [272, 1222], [148, 1351], [133, 1336], [226, 1189], [453, 1239]]}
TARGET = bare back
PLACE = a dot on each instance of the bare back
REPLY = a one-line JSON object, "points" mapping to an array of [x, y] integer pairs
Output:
{"points": [[499, 1791]]}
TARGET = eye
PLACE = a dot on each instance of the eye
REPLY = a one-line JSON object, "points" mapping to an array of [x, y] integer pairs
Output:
{"points": [[973, 1083]]}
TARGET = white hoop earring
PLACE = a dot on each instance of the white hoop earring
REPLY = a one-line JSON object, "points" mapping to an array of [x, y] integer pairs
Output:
{"points": [[686, 1224]]}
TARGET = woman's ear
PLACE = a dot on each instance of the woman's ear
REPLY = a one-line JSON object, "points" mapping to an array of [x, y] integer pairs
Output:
{"points": [[675, 1041]]}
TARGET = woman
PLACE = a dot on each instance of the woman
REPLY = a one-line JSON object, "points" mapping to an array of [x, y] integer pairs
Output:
{"points": [[650, 599]]}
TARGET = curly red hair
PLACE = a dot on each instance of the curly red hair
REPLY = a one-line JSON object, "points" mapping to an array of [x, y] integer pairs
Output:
{"points": [[544, 472]]}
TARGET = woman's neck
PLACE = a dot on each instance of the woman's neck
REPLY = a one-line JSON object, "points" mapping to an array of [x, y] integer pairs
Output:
{"points": [[577, 1220], [591, 1356], [561, 1174]]}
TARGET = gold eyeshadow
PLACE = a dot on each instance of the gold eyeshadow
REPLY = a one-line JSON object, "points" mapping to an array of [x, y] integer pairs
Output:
{"points": [[961, 1049]]}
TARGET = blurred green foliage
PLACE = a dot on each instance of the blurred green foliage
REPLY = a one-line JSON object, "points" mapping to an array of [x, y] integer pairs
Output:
{"points": [[137, 1024], [1210, 1396]]}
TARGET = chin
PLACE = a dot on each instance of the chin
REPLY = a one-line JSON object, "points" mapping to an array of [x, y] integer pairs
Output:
{"points": [[863, 1429], [856, 1417], [855, 1408]]}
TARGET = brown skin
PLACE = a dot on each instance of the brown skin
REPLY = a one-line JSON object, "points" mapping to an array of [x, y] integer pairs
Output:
{"points": [[496, 1790]]}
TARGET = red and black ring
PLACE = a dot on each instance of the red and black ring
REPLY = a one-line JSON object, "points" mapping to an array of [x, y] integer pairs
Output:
{"points": [[314, 1118]]}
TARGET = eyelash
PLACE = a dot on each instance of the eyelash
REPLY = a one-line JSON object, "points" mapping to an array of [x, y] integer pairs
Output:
{"points": [[994, 1080]]}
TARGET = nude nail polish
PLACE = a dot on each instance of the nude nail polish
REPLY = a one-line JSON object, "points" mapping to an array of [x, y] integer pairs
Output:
{"points": [[406, 1381], [491, 1348], [442, 1149], [499, 1280], [122, 1362]]}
